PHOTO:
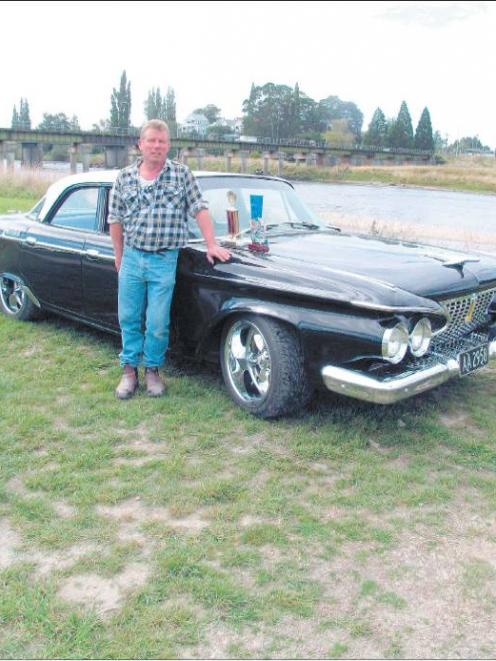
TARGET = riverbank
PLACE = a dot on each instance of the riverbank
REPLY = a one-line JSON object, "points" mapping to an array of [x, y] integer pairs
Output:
{"points": [[468, 174]]}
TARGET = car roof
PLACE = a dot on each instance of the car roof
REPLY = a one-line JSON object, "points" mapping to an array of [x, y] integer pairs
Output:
{"points": [[109, 176]]}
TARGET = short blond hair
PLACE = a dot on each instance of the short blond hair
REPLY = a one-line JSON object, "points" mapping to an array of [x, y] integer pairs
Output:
{"points": [[157, 124]]}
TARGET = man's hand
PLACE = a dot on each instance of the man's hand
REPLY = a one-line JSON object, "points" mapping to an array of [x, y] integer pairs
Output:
{"points": [[214, 251]]}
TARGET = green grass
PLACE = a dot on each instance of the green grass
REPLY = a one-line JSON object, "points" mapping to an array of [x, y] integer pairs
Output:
{"points": [[261, 504]]}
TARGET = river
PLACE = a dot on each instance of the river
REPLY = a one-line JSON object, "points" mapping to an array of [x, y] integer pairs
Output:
{"points": [[461, 220]]}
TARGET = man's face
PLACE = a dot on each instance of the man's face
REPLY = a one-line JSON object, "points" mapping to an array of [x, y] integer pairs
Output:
{"points": [[154, 146]]}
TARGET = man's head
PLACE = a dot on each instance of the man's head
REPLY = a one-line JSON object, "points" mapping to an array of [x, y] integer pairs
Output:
{"points": [[154, 143]]}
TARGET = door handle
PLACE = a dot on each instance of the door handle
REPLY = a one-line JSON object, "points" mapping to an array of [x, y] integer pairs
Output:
{"points": [[92, 254], [30, 240]]}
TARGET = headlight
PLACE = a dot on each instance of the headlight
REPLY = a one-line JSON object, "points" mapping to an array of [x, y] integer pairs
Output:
{"points": [[395, 343], [420, 337]]}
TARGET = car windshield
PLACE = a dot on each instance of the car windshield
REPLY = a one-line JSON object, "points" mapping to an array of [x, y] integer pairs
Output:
{"points": [[282, 208]]}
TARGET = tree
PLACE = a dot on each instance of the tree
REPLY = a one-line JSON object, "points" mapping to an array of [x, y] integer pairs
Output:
{"points": [[58, 122], [120, 104], [268, 111], [376, 134], [211, 112], [401, 129], [339, 133], [333, 108], [15, 119], [170, 112], [21, 119], [423, 135], [155, 105]]}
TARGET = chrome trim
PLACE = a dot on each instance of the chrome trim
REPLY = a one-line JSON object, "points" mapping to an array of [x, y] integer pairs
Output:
{"points": [[395, 308], [367, 388]]}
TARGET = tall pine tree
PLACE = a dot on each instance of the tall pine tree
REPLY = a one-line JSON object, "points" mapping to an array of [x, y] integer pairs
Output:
{"points": [[15, 119], [401, 130], [23, 118], [377, 132], [120, 105], [423, 135]]}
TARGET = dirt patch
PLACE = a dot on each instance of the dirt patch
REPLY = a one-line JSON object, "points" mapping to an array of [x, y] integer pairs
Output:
{"points": [[104, 595], [64, 510], [459, 420], [47, 562], [10, 540], [133, 513]]}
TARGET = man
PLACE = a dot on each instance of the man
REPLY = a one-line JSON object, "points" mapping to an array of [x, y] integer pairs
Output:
{"points": [[148, 210]]}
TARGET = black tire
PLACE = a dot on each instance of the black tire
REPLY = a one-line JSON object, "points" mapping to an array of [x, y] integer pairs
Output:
{"points": [[263, 366], [14, 302]]}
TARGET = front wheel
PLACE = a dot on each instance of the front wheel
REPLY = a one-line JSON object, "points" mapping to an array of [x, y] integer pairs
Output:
{"points": [[14, 302], [263, 366]]}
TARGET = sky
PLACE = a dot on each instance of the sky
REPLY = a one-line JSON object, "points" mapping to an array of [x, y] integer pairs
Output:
{"points": [[68, 56]]}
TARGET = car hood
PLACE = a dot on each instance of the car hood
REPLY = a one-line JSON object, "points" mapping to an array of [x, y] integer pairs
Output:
{"points": [[364, 271]]}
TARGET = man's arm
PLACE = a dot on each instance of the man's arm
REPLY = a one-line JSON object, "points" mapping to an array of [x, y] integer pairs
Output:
{"points": [[117, 236], [207, 229]]}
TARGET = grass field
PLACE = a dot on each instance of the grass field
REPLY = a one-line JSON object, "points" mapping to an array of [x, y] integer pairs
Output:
{"points": [[183, 527]]}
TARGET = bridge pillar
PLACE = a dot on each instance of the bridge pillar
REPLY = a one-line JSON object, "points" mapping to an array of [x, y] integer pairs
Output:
{"points": [[243, 155], [115, 156], [133, 153], [85, 151], [266, 159], [31, 155], [298, 158], [280, 163], [9, 149], [200, 153], [73, 157], [228, 155], [311, 159]]}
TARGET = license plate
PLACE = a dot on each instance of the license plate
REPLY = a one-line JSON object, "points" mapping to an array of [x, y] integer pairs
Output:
{"points": [[473, 359]]}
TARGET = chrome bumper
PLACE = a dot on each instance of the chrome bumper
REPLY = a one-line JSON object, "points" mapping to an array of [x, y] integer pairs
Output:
{"points": [[360, 386]]}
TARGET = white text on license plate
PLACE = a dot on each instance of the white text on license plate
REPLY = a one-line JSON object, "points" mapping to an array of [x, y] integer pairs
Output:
{"points": [[473, 359]]}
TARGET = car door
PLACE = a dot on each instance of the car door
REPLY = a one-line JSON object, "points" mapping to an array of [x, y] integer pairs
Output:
{"points": [[51, 253], [99, 277]]}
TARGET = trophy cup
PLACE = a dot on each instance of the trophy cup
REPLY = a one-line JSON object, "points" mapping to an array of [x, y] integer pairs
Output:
{"points": [[232, 218], [258, 233]]}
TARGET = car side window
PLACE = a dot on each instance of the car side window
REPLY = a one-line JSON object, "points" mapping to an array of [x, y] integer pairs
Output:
{"points": [[78, 210]]}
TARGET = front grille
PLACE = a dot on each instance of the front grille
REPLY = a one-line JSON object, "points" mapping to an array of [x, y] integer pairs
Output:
{"points": [[458, 309], [441, 355]]}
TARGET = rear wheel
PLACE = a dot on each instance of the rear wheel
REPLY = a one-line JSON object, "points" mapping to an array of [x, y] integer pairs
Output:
{"points": [[263, 366], [14, 302]]}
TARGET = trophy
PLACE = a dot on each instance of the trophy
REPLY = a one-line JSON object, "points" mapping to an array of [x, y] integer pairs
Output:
{"points": [[258, 233], [232, 217]]}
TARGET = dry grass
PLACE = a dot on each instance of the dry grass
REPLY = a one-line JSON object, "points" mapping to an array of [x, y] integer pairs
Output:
{"points": [[27, 183], [477, 174], [458, 238]]}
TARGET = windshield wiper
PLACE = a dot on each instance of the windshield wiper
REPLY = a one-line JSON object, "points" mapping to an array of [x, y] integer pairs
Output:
{"points": [[295, 224]]}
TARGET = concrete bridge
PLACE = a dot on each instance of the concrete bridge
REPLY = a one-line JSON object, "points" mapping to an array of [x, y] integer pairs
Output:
{"points": [[120, 148]]}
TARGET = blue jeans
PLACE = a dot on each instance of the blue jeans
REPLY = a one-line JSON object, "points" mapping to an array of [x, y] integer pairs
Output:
{"points": [[146, 285]]}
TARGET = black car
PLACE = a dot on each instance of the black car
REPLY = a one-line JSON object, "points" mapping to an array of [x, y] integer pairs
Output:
{"points": [[373, 319]]}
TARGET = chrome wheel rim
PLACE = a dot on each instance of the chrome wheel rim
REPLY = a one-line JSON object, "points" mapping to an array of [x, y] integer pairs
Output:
{"points": [[12, 295], [247, 361]]}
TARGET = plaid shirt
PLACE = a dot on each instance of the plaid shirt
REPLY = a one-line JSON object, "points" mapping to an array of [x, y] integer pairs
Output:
{"points": [[155, 217]]}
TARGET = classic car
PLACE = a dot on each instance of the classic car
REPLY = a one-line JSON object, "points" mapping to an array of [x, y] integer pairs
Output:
{"points": [[372, 319]]}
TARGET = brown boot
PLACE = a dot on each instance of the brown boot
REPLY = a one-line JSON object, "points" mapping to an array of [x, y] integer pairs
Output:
{"points": [[155, 387], [128, 383]]}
